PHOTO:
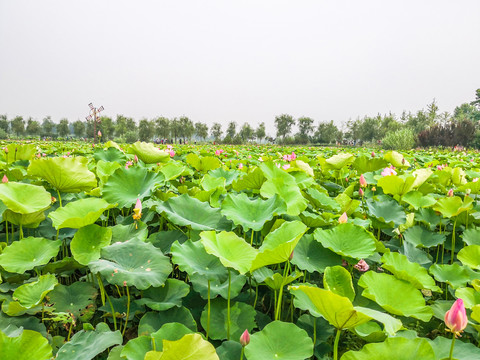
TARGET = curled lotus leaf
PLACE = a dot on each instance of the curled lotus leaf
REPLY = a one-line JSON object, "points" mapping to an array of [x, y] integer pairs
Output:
{"points": [[24, 198], [148, 153], [28, 345]]}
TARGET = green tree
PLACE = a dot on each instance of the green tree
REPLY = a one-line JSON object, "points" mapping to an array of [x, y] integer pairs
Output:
{"points": [[63, 128], [467, 112], [47, 126], [79, 128], [389, 124], [107, 127], [18, 125], [231, 130], [370, 128], [33, 127], [260, 132], [305, 129], [145, 130], [187, 128], [4, 125], [124, 124], [89, 129], [327, 133], [216, 131], [162, 127], [418, 122], [284, 124], [175, 129], [201, 130], [246, 132]]}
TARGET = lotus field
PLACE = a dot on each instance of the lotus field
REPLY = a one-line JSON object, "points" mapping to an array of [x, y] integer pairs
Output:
{"points": [[249, 252]]}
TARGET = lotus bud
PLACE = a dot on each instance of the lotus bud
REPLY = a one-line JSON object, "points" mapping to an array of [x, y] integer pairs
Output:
{"points": [[5, 179], [99, 133], [362, 266], [450, 193], [245, 338], [135, 158], [343, 219], [456, 318], [290, 257], [137, 211], [373, 153], [360, 192], [363, 182], [5, 149], [374, 188], [172, 153]]}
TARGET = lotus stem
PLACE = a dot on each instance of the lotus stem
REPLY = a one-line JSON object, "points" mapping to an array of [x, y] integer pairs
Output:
{"points": [[450, 357], [128, 312], [251, 238], [70, 331], [335, 345], [243, 350], [256, 296], [59, 198], [20, 231], [208, 309], [6, 231], [314, 331], [453, 240], [228, 303]]}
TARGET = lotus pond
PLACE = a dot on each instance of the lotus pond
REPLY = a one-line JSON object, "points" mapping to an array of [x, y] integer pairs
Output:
{"points": [[140, 252]]}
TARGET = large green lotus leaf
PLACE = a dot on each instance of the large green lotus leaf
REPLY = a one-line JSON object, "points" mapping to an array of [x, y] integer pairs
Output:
{"points": [[395, 296], [125, 186], [153, 321], [232, 250], [29, 345], [85, 345], [69, 174], [28, 253], [209, 182], [172, 170], [391, 324], [462, 350], [337, 310], [31, 294], [73, 299], [347, 240], [137, 263], [397, 348], [189, 347], [31, 220], [387, 210], [88, 241], [192, 258], [148, 153], [105, 169], [347, 204], [338, 280], [471, 236], [338, 161], [280, 340], [203, 164], [79, 213], [470, 297], [277, 281], [165, 297], [396, 159], [242, 317], [109, 155], [305, 168], [421, 237], [229, 176], [310, 255], [122, 233], [229, 350], [187, 211], [396, 185], [453, 206], [24, 198], [19, 152], [418, 200], [252, 181], [322, 200], [26, 322], [470, 256], [251, 213], [278, 245], [219, 286], [455, 275], [414, 273], [364, 164]]}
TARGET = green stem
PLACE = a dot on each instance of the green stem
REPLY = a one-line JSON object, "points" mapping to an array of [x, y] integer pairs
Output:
{"points": [[450, 357], [208, 309], [59, 198], [241, 355], [20, 232], [128, 312], [453, 240], [70, 331], [335, 345], [251, 238], [314, 331], [228, 303], [256, 296], [6, 231]]}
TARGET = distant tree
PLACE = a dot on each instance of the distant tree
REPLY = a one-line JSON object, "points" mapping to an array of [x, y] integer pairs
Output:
{"points": [[476, 102], [432, 112], [162, 127], [370, 128], [284, 124], [4, 125], [63, 128], [175, 129], [145, 130], [33, 127], [79, 128], [18, 125], [305, 129], [216, 131], [260, 131], [246, 132], [187, 128], [107, 127], [231, 130], [89, 129], [389, 124], [201, 130], [418, 122], [124, 124], [467, 112], [47, 126], [326, 133]]}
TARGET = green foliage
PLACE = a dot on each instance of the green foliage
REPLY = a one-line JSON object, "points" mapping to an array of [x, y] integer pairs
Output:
{"points": [[399, 140]]}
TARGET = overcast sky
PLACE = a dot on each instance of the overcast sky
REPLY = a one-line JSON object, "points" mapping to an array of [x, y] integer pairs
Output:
{"points": [[243, 61]]}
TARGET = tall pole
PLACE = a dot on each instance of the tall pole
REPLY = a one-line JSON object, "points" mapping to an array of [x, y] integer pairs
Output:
{"points": [[94, 111]]}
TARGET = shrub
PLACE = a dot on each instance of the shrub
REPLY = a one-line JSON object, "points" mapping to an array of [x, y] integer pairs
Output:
{"points": [[131, 136], [451, 134], [399, 140]]}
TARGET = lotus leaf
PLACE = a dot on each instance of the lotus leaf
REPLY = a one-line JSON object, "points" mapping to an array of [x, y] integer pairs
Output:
{"points": [[85, 345], [220, 285], [88, 241], [387, 210], [110, 155], [80, 213], [203, 164], [452, 206], [153, 321], [396, 159], [421, 237], [148, 153], [172, 170], [31, 220], [462, 350], [73, 299], [364, 164], [252, 181], [229, 350], [471, 236], [189, 347], [418, 200], [322, 201], [279, 340], [470, 256], [69, 174], [395, 296], [251, 213], [209, 182], [455, 275], [277, 281], [229, 176], [338, 161], [470, 297], [105, 169], [187, 211], [391, 324], [27, 346], [31, 294], [338, 280], [347, 240], [24, 198], [133, 262], [28, 253], [311, 256], [125, 186], [17, 152], [165, 297]]}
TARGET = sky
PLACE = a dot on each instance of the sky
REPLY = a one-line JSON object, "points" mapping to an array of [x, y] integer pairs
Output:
{"points": [[242, 61]]}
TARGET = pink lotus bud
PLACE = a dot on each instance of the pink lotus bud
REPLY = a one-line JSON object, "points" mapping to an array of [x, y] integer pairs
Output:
{"points": [[5, 179], [290, 257], [373, 153], [363, 182], [450, 193], [456, 318], [138, 205], [99, 133], [475, 180], [5, 149], [137, 210], [293, 156], [360, 192], [135, 158], [362, 266], [245, 338], [343, 219], [172, 153], [240, 166]]}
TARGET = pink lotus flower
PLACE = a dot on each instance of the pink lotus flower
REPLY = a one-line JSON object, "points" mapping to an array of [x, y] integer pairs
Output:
{"points": [[135, 158], [293, 156], [361, 266], [5, 149], [172, 153], [343, 218], [240, 166], [128, 164], [249, 156], [456, 318], [99, 133], [218, 152], [389, 171], [363, 182], [5, 179], [475, 180], [450, 193], [373, 153], [245, 338], [360, 192], [137, 210], [286, 166]]}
